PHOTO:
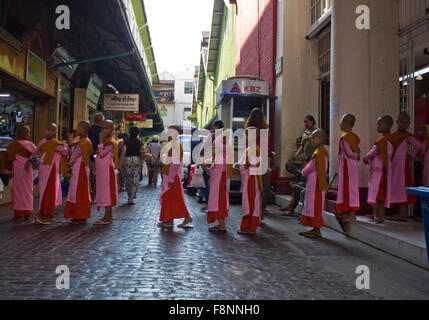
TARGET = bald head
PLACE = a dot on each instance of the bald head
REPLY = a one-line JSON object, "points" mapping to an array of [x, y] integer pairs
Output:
{"points": [[384, 124], [108, 123], [22, 132], [83, 128], [349, 120], [319, 133], [51, 131]]}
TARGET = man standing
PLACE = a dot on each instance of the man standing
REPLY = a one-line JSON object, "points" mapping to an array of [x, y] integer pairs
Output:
{"points": [[94, 137]]}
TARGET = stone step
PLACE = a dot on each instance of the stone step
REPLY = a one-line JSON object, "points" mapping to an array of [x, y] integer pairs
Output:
{"points": [[403, 240]]}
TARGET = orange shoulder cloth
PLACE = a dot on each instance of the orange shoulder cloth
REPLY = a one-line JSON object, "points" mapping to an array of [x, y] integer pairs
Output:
{"points": [[382, 146], [166, 167], [49, 148], [87, 150], [15, 148], [111, 141], [352, 139], [397, 138], [321, 155]]}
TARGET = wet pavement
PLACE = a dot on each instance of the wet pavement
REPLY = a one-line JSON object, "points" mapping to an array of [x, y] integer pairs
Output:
{"points": [[134, 259]]}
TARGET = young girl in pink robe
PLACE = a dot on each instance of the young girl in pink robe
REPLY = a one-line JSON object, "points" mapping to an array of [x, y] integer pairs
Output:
{"points": [[220, 173], [402, 178], [51, 151], [106, 190], [19, 151], [78, 206], [172, 198], [380, 177], [315, 173], [251, 189], [348, 201]]}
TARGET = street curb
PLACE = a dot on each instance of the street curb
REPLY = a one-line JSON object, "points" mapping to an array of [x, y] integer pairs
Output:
{"points": [[397, 247]]}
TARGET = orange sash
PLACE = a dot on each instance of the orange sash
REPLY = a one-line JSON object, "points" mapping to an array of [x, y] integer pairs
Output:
{"points": [[87, 150], [352, 139], [247, 165], [49, 148], [382, 146], [113, 142], [230, 159], [15, 148], [320, 155], [166, 167], [397, 138]]}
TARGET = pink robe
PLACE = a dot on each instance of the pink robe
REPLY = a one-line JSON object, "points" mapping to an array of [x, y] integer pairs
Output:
{"points": [[75, 162], [347, 155], [45, 171], [424, 151], [22, 180], [398, 191], [245, 174], [215, 176], [376, 172], [107, 190], [310, 172]]}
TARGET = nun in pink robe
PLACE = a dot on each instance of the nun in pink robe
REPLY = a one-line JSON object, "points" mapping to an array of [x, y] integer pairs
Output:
{"points": [[376, 175], [424, 151], [314, 202], [45, 172], [398, 193], [107, 190], [220, 173], [348, 173], [251, 184], [22, 178]]}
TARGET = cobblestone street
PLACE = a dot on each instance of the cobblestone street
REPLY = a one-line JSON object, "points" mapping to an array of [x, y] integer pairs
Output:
{"points": [[134, 259]]}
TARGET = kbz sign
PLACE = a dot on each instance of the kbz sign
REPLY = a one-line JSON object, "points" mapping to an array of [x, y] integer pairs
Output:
{"points": [[244, 86]]}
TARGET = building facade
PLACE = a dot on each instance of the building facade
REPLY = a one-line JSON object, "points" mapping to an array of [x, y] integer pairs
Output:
{"points": [[183, 95]]}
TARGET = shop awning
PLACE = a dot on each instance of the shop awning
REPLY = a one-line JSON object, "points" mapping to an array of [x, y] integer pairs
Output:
{"points": [[100, 28]]}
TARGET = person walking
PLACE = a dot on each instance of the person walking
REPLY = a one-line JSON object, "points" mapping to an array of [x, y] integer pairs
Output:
{"points": [[121, 178], [154, 148], [131, 163]]}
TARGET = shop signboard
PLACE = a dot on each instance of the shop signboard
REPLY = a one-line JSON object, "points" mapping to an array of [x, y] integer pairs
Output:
{"points": [[121, 102], [36, 70], [93, 91], [163, 111], [148, 124], [245, 86]]}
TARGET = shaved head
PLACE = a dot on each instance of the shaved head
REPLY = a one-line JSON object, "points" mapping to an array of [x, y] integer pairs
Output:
{"points": [[51, 125], [84, 125], [387, 120], [319, 133], [108, 123], [349, 120], [404, 115]]}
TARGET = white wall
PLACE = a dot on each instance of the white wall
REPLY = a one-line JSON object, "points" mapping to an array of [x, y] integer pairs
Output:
{"points": [[182, 100], [279, 86]]}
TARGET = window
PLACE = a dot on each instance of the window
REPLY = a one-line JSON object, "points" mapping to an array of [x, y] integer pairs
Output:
{"points": [[189, 86], [324, 48], [318, 9]]}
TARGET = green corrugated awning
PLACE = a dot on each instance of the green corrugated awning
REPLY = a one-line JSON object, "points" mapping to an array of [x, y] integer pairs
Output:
{"points": [[193, 117]]}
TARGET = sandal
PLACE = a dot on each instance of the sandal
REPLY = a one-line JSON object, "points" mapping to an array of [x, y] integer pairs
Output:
{"points": [[38, 221], [74, 222], [217, 229], [312, 235], [52, 219], [103, 222], [246, 232], [185, 226], [165, 225], [378, 220]]}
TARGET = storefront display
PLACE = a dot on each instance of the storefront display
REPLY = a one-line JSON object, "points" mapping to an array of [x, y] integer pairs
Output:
{"points": [[15, 109]]}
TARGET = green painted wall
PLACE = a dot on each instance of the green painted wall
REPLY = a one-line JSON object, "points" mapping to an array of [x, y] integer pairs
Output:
{"points": [[225, 68]]}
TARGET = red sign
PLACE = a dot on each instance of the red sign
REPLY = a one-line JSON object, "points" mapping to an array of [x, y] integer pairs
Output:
{"points": [[252, 89], [236, 88], [136, 117]]}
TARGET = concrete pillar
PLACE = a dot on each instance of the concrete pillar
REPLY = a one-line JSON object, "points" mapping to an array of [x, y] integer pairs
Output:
{"points": [[364, 72], [300, 87]]}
